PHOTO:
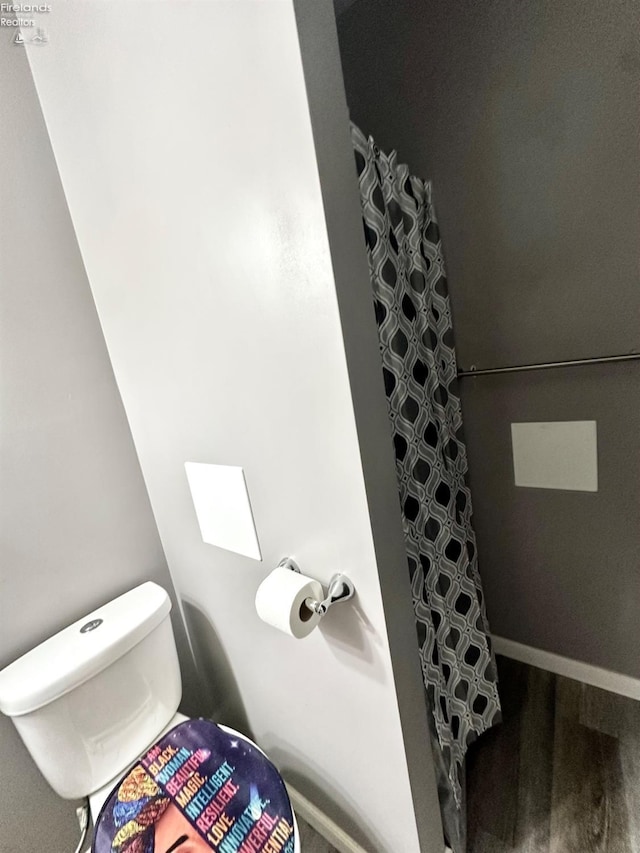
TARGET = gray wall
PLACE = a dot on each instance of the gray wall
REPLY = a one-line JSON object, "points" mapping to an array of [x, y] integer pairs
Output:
{"points": [[527, 118], [216, 287], [75, 519]]}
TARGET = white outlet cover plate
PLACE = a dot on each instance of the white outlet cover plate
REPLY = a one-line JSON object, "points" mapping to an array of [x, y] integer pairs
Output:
{"points": [[223, 509], [556, 455]]}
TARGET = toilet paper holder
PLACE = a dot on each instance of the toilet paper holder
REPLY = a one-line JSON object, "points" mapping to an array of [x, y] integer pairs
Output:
{"points": [[340, 588]]}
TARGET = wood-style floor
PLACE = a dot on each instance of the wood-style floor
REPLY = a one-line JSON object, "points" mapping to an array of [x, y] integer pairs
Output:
{"points": [[561, 774]]}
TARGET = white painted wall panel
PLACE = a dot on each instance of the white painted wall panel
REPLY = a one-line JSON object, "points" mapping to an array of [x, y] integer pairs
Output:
{"points": [[556, 455], [223, 507], [183, 139]]}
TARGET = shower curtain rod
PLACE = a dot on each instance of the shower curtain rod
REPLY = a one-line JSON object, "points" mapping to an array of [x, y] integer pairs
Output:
{"points": [[546, 365]]}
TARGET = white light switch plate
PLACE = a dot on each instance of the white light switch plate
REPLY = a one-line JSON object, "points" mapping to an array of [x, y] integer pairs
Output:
{"points": [[556, 455], [223, 508]]}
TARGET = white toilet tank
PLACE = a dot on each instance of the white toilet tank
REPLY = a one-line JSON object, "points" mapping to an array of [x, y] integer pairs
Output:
{"points": [[89, 700]]}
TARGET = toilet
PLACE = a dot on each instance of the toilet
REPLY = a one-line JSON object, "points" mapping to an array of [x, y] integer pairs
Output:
{"points": [[97, 707]]}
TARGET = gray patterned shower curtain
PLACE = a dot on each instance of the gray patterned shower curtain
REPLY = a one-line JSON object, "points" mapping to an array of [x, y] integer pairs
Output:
{"points": [[419, 365]]}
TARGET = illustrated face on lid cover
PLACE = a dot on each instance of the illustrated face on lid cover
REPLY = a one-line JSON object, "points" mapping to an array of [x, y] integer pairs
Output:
{"points": [[198, 789]]}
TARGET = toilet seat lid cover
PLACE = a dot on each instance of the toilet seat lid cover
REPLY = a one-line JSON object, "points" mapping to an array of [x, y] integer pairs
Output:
{"points": [[198, 788]]}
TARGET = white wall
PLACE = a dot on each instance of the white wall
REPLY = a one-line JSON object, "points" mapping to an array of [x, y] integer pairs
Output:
{"points": [[76, 528], [183, 139]]}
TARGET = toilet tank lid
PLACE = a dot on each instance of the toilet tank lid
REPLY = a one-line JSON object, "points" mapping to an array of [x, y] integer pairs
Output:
{"points": [[75, 654]]}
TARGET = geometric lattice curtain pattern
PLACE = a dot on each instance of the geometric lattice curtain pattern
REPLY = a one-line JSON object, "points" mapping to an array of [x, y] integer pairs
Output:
{"points": [[413, 314]]}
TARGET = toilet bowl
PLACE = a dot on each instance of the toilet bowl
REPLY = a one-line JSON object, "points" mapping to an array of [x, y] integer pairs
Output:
{"points": [[200, 783], [97, 707], [183, 782]]}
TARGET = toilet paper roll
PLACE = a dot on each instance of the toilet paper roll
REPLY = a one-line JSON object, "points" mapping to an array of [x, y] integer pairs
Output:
{"points": [[280, 602]]}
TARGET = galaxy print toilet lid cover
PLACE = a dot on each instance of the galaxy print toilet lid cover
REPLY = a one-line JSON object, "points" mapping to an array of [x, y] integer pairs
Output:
{"points": [[198, 789]]}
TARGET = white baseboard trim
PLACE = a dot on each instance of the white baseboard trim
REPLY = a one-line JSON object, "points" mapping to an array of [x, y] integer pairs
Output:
{"points": [[606, 679], [322, 823]]}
